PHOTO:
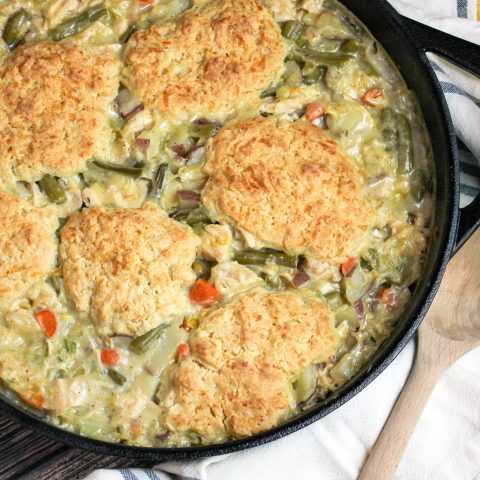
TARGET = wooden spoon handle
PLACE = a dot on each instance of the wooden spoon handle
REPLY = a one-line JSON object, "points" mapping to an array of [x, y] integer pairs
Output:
{"points": [[387, 452]]}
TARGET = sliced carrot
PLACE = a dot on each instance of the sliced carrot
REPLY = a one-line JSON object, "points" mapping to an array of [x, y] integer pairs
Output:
{"points": [[349, 266], [110, 357], [183, 351], [146, 2], [388, 297], [204, 294], [35, 400], [372, 96], [314, 110], [48, 321]]}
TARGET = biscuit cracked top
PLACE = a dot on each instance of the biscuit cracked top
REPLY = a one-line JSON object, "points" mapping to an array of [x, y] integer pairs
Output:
{"points": [[218, 56], [53, 110], [245, 355], [288, 185], [128, 268]]}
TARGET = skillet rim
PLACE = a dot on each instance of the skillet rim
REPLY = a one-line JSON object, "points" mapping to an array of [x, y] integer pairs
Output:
{"points": [[367, 374]]}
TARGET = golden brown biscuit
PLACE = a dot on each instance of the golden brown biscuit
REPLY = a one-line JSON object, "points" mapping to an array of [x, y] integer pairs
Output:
{"points": [[53, 110], [290, 186], [245, 355], [217, 56], [28, 246], [128, 268]]}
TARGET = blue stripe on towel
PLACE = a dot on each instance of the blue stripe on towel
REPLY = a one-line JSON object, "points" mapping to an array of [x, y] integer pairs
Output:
{"points": [[469, 191], [462, 8], [470, 169], [436, 67], [150, 474], [448, 87], [127, 474]]}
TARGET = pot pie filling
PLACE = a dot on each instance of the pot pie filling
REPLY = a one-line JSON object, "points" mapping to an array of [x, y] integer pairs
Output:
{"points": [[213, 212]]}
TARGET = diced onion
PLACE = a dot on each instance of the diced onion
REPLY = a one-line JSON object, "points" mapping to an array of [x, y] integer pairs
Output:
{"points": [[189, 195], [142, 143]]}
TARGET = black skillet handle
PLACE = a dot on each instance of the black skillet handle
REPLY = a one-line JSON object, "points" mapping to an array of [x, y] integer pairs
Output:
{"points": [[460, 52], [467, 56]]}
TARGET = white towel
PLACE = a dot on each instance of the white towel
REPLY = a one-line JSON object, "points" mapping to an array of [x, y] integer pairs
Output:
{"points": [[446, 442]]}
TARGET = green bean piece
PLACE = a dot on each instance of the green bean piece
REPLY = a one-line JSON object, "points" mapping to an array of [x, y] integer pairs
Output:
{"points": [[199, 228], [131, 29], [98, 12], [70, 345], [353, 45], [180, 215], [321, 58], [117, 377], [314, 75], [205, 130], [389, 129], [253, 257], [132, 171], [272, 283], [52, 189], [69, 28], [75, 25], [143, 342], [292, 30], [301, 42], [159, 181], [329, 5], [418, 184], [269, 92], [196, 216], [405, 144], [16, 28]]}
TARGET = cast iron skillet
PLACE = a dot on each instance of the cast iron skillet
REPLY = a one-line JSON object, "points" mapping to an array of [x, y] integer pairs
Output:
{"points": [[406, 42]]}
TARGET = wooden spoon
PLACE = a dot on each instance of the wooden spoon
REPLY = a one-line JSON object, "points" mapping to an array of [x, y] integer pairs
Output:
{"points": [[450, 330]]}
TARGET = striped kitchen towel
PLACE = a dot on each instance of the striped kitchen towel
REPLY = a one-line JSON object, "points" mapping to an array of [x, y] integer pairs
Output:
{"points": [[446, 443]]}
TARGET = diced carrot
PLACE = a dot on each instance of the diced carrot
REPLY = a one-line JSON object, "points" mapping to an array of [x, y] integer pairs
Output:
{"points": [[35, 400], [372, 96], [136, 427], [203, 293], [388, 297], [349, 266], [110, 357], [146, 2], [183, 351], [48, 321], [314, 111]]}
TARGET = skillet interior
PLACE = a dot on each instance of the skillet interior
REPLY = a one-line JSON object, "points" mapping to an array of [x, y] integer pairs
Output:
{"points": [[386, 26]]}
